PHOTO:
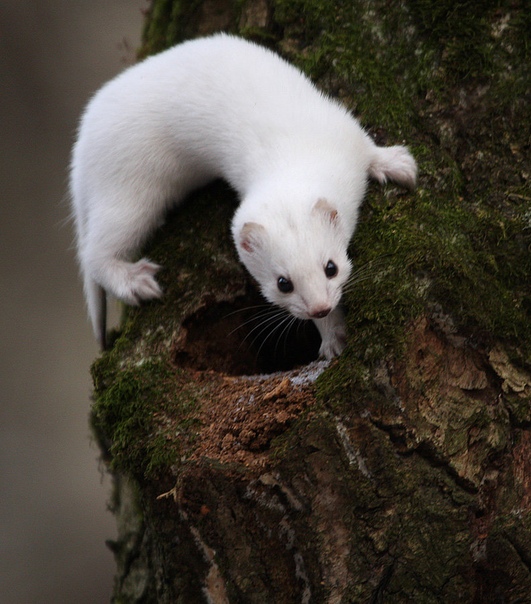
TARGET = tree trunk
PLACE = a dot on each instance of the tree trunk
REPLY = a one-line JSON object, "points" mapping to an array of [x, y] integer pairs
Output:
{"points": [[400, 472]]}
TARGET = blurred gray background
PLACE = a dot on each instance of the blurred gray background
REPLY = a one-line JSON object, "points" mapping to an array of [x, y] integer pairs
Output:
{"points": [[53, 516]]}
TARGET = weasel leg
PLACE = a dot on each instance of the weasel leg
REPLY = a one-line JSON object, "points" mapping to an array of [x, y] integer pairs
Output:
{"points": [[393, 163], [127, 281], [333, 334], [116, 230]]}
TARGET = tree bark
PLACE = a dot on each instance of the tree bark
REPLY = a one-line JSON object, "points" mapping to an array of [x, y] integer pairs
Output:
{"points": [[400, 472]]}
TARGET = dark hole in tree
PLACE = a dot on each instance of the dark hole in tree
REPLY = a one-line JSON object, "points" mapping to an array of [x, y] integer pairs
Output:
{"points": [[246, 337]]}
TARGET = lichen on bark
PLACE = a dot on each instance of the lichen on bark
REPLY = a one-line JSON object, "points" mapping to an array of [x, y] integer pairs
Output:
{"points": [[401, 471]]}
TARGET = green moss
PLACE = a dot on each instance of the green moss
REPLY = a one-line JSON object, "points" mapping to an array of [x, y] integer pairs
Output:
{"points": [[129, 410], [168, 23], [439, 251], [461, 240], [160, 27]]}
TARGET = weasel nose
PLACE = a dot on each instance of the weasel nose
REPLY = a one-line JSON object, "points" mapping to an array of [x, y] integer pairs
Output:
{"points": [[320, 314]]}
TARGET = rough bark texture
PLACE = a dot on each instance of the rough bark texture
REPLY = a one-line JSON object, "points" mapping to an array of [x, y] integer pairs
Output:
{"points": [[401, 472]]}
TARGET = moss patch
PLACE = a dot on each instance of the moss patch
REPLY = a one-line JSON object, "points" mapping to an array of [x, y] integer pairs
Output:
{"points": [[130, 415], [452, 86]]}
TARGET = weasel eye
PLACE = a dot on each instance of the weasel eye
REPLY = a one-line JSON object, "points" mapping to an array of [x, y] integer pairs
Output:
{"points": [[330, 269], [284, 285]]}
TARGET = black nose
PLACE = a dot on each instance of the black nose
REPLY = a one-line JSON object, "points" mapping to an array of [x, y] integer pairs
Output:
{"points": [[320, 314]]}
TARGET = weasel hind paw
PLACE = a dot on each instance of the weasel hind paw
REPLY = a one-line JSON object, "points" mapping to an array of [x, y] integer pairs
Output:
{"points": [[141, 283]]}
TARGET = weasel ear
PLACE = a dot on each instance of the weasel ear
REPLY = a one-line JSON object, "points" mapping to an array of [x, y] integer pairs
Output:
{"points": [[329, 213], [251, 236]]}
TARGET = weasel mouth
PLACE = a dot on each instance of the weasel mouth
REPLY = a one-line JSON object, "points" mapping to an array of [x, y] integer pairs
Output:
{"points": [[245, 337]]}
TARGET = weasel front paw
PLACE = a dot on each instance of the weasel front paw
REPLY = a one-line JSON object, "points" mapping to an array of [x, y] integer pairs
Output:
{"points": [[332, 346], [333, 334]]}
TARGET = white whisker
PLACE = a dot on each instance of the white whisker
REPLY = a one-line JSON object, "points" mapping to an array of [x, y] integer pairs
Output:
{"points": [[285, 331], [264, 306], [264, 324], [265, 315], [365, 272], [287, 319]]}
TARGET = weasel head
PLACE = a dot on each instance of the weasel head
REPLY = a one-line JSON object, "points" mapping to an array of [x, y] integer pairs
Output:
{"points": [[299, 258]]}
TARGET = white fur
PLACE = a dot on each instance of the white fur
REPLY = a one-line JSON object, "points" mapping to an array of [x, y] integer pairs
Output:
{"points": [[224, 107]]}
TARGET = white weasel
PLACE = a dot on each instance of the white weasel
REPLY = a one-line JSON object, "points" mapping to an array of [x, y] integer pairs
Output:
{"points": [[224, 107]]}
